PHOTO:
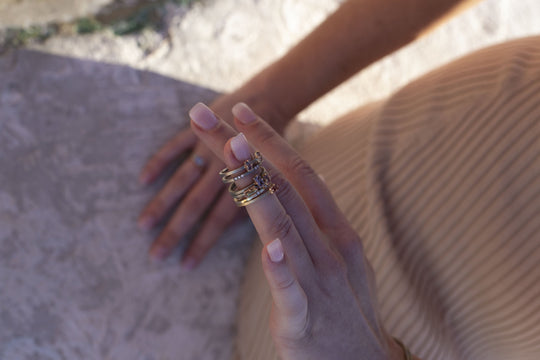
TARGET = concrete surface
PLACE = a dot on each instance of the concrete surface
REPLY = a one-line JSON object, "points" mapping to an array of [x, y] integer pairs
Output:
{"points": [[75, 282]]}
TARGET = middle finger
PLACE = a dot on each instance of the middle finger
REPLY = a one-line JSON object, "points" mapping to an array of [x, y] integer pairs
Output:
{"points": [[182, 180]]}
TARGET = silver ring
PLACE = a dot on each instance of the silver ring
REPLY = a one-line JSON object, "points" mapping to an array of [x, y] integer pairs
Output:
{"points": [[198, 161]]}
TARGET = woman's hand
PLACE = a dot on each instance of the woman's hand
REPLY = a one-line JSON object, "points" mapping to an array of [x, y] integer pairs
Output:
{"points": [[324, 303], [193, 192]]}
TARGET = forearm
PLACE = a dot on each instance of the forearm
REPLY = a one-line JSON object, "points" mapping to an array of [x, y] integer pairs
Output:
{"points": [[359, 33]]}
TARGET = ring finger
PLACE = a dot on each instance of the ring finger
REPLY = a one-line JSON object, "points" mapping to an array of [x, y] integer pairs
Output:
{"points": [[182, 180]]}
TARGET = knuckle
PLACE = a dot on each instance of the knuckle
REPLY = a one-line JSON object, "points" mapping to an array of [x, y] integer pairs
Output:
{"points": [[264, 134], [169, 238], [156, 207], [199, 250], [299, 166], [281, 226], [219, 220], [284, 284], [286, 191], [194, 205], [180, 177]]}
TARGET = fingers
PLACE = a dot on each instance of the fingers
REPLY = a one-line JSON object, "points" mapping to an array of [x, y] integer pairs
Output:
{"points": [[191, 209], [182, 180], [171, 150], [213, 131], [267, 214], [273, 217], [215, 138], [222, 214], [289, 162], [290, 301]]}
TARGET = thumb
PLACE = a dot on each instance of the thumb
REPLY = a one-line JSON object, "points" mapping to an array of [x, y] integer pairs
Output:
{"points": [[290, 301]]}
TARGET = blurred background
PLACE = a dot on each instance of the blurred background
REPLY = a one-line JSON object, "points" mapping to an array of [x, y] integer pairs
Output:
{"points": [[183, 38], [88, 91]]}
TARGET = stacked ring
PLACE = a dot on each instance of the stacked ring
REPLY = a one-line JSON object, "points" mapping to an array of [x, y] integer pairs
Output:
{"points": [[250, 166], [261, 185]]}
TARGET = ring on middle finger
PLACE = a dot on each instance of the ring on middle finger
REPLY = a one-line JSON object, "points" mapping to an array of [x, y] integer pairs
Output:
{"points": [[261, 185], [260, 181], [249, 167]]}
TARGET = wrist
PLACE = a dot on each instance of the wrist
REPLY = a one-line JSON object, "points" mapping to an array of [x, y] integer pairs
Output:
{"points": [[260, 96]]}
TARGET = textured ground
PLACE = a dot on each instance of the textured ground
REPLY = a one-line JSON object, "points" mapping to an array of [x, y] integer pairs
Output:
{"points": [[75, 281]]}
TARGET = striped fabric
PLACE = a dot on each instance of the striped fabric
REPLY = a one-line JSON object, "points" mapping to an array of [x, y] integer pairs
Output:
{"points": [[442, 182]]}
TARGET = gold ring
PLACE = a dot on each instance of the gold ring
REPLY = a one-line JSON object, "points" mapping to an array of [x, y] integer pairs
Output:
{"points": [[261, 185], [260, 180], [249, 166], [256, 196]]}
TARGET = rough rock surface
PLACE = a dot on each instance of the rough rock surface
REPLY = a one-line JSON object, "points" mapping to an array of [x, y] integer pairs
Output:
{"points": [[75, 282], [245, 35], [21, 13]]}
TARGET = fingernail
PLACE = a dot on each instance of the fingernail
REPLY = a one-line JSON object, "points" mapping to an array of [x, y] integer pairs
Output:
{"points": [[244, 113], [203, 116], [158, 254], [275, 250], [240, 147], [145, 223], [188, 264]]}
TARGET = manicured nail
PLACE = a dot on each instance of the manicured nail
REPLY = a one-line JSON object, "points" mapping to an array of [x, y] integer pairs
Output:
{"points": [[203, 116], [188, 264], [240, 147], [275, 250], [145, 223], [244, 113]]}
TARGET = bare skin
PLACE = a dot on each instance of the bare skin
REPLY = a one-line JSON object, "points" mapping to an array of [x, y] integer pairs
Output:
{"points": [[323, 288], [359, 33]]}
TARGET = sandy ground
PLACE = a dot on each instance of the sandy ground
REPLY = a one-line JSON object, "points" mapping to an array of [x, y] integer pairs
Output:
{"points": [[75, 131]]}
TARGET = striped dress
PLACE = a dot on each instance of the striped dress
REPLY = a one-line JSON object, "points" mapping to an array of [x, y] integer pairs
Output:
{"points": [[442, 182]]}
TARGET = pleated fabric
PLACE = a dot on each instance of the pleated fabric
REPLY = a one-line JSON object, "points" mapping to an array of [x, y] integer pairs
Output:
{"points": [[442, 183]]}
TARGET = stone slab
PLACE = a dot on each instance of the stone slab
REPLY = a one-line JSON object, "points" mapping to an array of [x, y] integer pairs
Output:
{"points": [[23, 13], [75, 281]]}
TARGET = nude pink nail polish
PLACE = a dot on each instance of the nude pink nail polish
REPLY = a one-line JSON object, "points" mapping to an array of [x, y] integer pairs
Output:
{"points": [[243, 113], [275, 250], [240, 147], [203, 116]]}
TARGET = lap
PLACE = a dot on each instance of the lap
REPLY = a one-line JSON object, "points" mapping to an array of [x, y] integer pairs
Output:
{"points": [[441, 180]]}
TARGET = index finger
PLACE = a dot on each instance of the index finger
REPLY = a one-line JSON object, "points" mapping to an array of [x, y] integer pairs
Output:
{"points": [[267, 213], [290, 163]]}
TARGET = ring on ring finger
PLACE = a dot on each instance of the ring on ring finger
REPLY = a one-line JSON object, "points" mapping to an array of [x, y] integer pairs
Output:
{"points": [[198, 161]]}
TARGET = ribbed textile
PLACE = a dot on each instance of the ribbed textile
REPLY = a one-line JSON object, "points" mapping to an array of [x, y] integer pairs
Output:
{"points": [[442, 182]]}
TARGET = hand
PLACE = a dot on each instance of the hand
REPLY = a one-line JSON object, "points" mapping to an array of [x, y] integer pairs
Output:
{"points": [[323, 288], [197, 188]]}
